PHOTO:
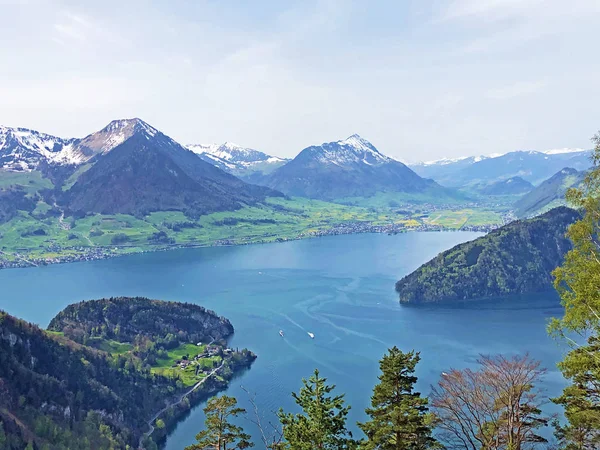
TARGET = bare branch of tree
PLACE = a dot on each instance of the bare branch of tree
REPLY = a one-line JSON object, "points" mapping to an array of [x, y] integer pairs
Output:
{"points": [[495, 407], [272, 440]]}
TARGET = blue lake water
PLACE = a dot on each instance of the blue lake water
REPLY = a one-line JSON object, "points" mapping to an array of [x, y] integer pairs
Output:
{"points": [[341, 288]]}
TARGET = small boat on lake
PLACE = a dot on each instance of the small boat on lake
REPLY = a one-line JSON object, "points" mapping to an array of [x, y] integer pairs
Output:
{"points": [[312, 336], [281, 333]]}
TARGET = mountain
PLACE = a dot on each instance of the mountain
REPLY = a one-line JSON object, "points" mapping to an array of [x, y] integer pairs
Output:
{"points": [[549, 194], [352, 167], [532, 166], [136, 169], [517, 258], [512, 186], [22, 149], [243, 162]]}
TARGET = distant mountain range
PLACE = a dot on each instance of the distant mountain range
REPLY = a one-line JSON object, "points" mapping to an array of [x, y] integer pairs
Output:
{"points": [[517, 258], [531, 166], [243, 162], [128, 167], [131, 167], [549, 194], [347, 168]]}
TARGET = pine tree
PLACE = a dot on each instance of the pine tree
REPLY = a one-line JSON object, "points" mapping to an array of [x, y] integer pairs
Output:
{"points": [[322, 423], [220, 433], [399, 417]]}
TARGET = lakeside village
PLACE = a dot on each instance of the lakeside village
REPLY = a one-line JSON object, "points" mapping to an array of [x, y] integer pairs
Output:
{"points": [[81, 253]]}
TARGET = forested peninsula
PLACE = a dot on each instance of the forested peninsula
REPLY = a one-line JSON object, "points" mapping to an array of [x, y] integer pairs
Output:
{"points": [[115, 372], [514, 259]]}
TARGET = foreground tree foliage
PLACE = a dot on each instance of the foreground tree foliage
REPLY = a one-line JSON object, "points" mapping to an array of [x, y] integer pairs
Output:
{"points": [[220, 433], [398, 415], [577, 281], [322, 423], [494, 407]]}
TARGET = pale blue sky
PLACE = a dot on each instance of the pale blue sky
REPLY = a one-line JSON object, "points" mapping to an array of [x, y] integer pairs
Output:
{"points": [[421, 79]]}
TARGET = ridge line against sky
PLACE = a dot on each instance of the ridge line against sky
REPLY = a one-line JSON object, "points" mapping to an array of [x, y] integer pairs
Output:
{"points": [[420, 79]]}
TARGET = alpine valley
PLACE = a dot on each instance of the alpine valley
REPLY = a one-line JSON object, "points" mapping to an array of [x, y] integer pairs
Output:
{"points": [[129, 188]]}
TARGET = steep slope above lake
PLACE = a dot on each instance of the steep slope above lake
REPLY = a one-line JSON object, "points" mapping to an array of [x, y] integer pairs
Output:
{"points": [[98, 375], [516, 258], [549, 194]]}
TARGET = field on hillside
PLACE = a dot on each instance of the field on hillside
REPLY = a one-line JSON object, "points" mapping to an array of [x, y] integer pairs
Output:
{"points": [[40, 237], [457, 219]]}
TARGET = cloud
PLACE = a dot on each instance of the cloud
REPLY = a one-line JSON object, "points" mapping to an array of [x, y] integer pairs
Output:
{"points": [[420, 78], [518, 89], [491, 10], [77, 27]]}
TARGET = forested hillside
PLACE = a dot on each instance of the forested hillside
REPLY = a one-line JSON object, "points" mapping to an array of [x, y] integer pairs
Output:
{"points": [[516, 258], [125, 318], [104, 369]]}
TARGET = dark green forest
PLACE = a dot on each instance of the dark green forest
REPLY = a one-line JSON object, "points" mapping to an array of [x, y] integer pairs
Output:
{"points": [[516, 258]]}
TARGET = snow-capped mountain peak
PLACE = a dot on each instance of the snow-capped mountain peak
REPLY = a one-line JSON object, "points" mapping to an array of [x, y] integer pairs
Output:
{"points": [[359, 143], [237, 159], [233, 153], [22, 149], [352, 150], [130, 126], [113, 135]]}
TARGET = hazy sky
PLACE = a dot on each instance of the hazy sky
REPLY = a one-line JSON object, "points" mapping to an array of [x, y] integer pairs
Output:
{"points": [[421, 79]]}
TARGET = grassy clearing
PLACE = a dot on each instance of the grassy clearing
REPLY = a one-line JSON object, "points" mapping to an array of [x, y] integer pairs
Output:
{"points": [[457, 219], [110, 346], [187, 375], [395, 199], [31, 181]]}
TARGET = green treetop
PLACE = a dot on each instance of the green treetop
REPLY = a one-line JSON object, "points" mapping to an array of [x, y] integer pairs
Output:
{"points": [[220, 433], [322, 423], [399, 417]]}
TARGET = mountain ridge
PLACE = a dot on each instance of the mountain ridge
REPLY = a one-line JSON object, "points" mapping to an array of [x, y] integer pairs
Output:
{"points": [[243, 162], [532, 166], [516, 258], [351, 167], [148, 171], [24, 149], [548, 194]]}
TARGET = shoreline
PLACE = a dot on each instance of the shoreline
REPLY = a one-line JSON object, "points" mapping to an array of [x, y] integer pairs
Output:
{"points": [[98, 253], [174, 413]]}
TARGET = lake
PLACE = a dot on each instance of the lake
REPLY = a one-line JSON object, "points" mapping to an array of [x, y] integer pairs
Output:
{"points": [[341, 288]]}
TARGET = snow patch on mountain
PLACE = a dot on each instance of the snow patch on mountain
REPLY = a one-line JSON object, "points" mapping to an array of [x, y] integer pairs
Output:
{"points": [[559, 151], [474, 159], [349, 151], [446, 161], [22, 149], [235, 158]]}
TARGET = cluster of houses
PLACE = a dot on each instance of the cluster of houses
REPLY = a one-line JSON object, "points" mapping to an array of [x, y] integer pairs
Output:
{"points": [[209, 351]]}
